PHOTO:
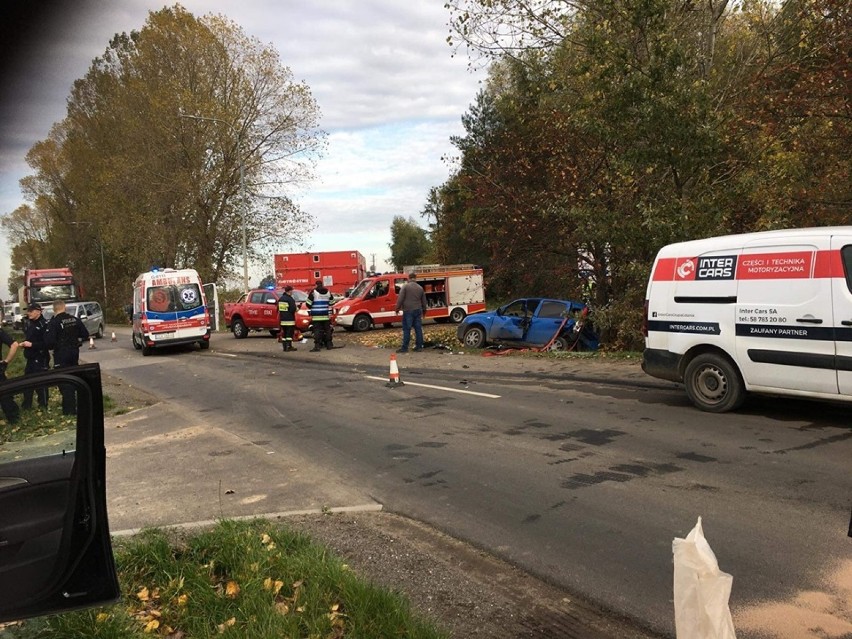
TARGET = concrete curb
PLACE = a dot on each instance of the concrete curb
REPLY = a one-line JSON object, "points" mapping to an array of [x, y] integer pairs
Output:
{"points": [[194, 525]]}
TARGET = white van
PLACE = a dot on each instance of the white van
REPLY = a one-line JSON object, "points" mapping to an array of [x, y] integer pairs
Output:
{"points": [[12, 315], [764, 312], [169, 308]]}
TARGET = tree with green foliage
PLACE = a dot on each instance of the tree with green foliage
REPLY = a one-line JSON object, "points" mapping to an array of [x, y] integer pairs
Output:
{"points": [[609, 129], [147, 164], [410, 243]]}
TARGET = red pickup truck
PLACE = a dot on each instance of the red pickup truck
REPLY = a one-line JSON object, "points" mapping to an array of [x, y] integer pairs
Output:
{"points": [[257, 310]]}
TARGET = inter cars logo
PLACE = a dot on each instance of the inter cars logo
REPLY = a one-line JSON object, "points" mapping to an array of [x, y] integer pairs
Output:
{"points": [[720, 267], [686, 269]]}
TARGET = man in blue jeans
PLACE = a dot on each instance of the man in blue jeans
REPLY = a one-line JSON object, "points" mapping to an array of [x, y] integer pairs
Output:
{"points": [[412, 302]]}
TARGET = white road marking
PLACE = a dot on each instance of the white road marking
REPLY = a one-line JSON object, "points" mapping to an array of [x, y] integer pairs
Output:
{"points": [[445, 388]]}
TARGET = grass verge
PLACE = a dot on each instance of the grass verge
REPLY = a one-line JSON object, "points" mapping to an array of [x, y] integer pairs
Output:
{"points": [[238, 579]]}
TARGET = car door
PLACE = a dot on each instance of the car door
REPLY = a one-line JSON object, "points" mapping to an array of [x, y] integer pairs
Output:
{"points": [[841, 282], [513, 320], [784, 338], [55, 550], [547, 320]]}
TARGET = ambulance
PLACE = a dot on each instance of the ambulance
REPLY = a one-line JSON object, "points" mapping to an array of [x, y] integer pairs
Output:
{"points": [[452, 293], [767, 312], [169, 308]]}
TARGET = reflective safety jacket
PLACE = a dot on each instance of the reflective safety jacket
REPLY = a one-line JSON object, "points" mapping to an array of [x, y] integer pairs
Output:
{"points": [[286, 310], [319, 301]]}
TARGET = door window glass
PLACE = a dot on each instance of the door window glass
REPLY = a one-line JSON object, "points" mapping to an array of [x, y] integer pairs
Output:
{"points": [[550, 308], [258, 297]]}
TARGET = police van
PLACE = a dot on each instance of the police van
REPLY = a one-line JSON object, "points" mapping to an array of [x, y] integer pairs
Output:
{"points": [[767, 312], [169, 308]]}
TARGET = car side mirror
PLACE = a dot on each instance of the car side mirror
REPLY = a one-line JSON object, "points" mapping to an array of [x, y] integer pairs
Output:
{"points": [[271, 300], [499, 312]]}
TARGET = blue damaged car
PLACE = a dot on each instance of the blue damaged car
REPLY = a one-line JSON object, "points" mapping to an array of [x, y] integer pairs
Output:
{"points": [[532, 322]]}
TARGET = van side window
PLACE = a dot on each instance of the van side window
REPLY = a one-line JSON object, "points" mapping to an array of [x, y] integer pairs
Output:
{"points": [[846, 254]]}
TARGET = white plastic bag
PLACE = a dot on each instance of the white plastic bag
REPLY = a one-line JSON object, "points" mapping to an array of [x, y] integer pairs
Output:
{"points": [[701, 590]]}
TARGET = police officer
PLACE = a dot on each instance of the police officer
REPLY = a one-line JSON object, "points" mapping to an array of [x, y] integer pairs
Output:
{"points": [[35, 352], [10, 408], [287, 318], [64, 335], [319, 302]]}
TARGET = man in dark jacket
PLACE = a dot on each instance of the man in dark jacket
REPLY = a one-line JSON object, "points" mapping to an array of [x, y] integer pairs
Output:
{"points": [[412, 302], [35, 352], [287, 318], [64, 335], [10, 408], [319, 302]]}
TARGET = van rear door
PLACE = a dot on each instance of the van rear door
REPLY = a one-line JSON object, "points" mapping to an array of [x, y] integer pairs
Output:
{"points": [[785, 338], [841, 282]]}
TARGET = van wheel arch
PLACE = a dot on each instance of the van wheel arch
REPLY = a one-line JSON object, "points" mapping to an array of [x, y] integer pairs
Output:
{"points": [[713, 381]]}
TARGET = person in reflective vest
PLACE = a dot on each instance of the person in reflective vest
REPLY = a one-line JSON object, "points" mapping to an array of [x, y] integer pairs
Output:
{"points": [[287, 318], [319, 303], [64, 335]]}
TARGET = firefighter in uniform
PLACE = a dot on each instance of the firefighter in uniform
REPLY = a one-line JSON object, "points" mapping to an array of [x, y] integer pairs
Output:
{"points": [[319, 303], [64, 335], [36, 353], [287, 318]]}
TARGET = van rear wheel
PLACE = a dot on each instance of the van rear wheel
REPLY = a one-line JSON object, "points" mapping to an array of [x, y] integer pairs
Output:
{"points": [[713, 383]]}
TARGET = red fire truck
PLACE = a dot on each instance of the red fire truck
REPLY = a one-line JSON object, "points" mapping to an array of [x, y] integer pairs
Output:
{"points": [[45, 285], [452, 293], [338, 270]]}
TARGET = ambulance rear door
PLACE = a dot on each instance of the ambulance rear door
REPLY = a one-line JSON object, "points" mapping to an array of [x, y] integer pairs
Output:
{"points": [[785, 338], [841, 283]]}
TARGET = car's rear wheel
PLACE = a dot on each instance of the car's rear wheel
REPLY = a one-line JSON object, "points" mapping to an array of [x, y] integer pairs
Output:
{"points": [[204, 345], [136, 343], [713, 383], [474, 337], [239, 329], [457, 315], [100, 332], [361, 323], [146, 350]]}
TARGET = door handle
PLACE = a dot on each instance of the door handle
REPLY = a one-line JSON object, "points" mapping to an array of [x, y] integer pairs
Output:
{"points": [[809, 320], [846, 322]]}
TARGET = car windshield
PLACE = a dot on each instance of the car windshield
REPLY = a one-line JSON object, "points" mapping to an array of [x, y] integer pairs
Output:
{"points": [[48, 292], [362, 288]]}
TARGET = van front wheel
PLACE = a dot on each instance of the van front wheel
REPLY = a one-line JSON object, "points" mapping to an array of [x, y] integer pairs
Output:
{"points": [[713, 384]]}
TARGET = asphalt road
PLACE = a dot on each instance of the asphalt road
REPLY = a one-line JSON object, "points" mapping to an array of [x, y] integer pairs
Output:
{"points": [[582, 483]]}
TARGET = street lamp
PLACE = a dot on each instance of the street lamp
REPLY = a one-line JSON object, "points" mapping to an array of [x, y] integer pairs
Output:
{"points": [[242, 185]]}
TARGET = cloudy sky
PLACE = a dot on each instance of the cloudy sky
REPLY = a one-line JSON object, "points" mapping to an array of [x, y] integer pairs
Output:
{"points": [[390, 92]]}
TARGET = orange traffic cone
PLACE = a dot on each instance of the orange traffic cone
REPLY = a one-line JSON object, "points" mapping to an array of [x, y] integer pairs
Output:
{"points": [[91, 342], [394, 380]]}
